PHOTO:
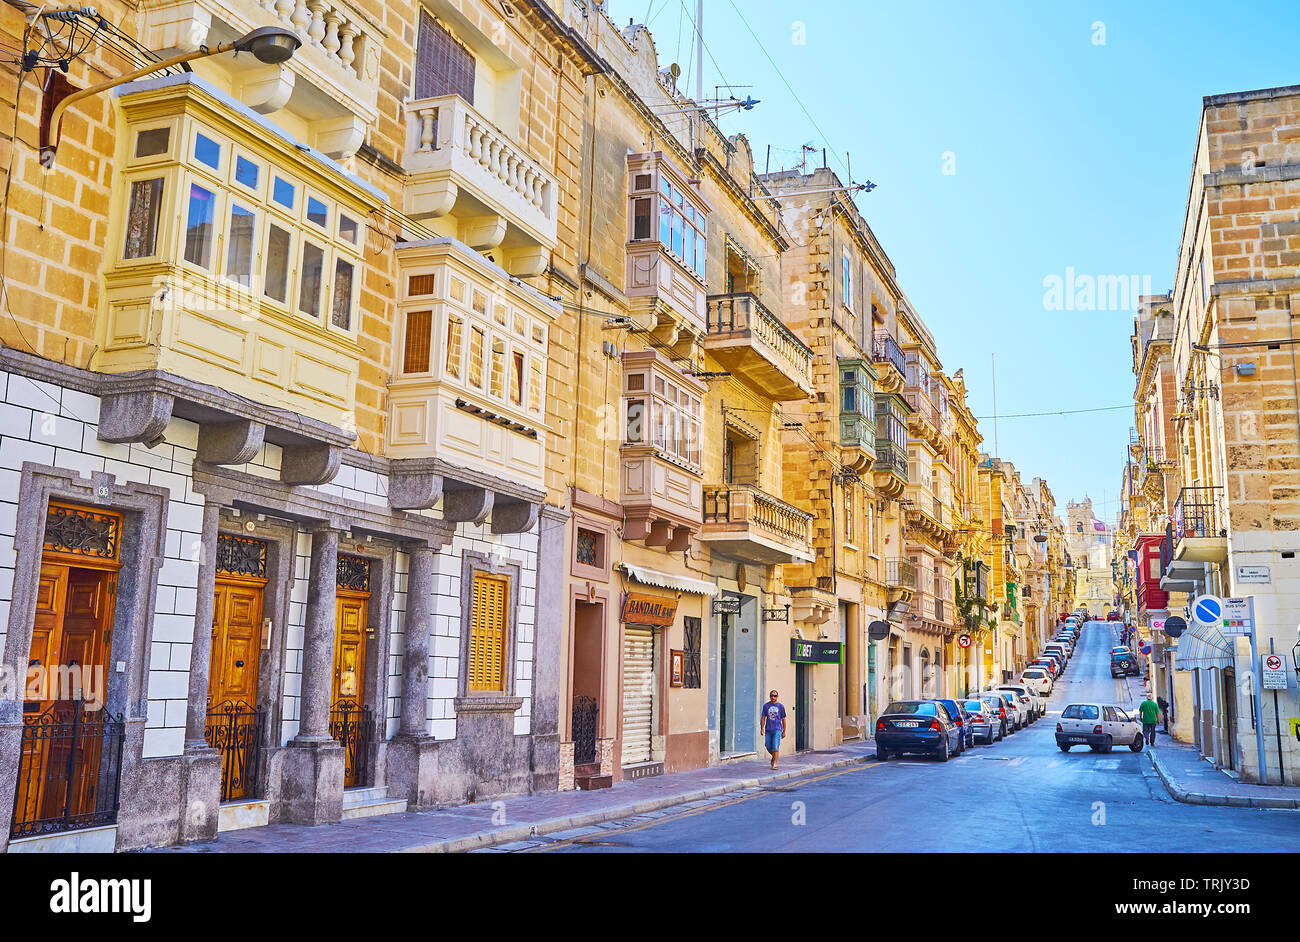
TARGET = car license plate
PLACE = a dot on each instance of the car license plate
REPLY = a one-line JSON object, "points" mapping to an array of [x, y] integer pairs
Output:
{"points": [[1076, 739], [908, 723]]}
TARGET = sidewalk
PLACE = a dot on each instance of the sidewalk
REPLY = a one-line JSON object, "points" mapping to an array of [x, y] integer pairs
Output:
{"points": [[1191, 779], [469, 827]]}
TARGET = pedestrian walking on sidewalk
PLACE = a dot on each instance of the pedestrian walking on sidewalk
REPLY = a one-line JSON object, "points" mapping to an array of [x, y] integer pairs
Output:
{"points": [[1164, 712], [772, 719], [1150, 712]]}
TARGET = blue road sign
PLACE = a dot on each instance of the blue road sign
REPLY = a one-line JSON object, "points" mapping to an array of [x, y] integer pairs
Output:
{"points": [[1208, 610]]}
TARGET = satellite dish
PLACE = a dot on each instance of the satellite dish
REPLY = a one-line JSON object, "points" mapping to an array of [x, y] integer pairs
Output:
{"points": [[675, 71]]}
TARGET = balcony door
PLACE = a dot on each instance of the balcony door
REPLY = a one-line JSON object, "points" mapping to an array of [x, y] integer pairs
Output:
{"points": [[443, 66], [351, 720]]}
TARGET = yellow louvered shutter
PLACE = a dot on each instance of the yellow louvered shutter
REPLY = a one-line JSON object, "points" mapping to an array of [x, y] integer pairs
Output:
{"points": [[487, 633]]}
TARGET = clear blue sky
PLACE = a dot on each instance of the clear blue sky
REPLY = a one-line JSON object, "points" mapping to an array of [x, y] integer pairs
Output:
{"points": [[1068, 153]]}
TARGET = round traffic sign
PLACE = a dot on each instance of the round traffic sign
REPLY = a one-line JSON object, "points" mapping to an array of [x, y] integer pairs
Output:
{"points": [[1175, 626], [1208, 609], [1145, 648], [1273, 662], [964, 641], [878, 630]]}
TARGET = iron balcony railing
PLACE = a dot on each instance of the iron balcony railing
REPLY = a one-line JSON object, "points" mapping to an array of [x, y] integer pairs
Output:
{"points": [[353, 726], [885, 349], [1198, 513], [900, 572], [771, 516], [890, 457], [235, 730], [69, 770]]}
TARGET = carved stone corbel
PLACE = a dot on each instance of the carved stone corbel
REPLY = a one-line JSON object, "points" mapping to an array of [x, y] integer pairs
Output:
{"points": [[514, 516], [134, 417], [235, 442], [310, 464]]}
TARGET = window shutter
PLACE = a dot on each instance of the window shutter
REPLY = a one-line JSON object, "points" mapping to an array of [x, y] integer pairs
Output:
{"points": [[487, 634], [419, 332], [442, 65]]}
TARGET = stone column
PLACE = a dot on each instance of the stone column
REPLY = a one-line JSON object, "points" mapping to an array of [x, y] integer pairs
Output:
{"points": [[200, 763], [201, 651], [548, 653], [419, 625], [411, 766], [318, 638], [312, 787]]}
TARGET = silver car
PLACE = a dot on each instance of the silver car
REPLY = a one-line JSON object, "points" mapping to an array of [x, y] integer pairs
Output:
{"points": [[1099, 726], [1017, 712], [986, 726]]}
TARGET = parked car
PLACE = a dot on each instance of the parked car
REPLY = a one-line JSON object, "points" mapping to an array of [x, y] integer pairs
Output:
{"points": [[958, 715], [1122, 665], [1027, 699], [1047, 664], [1057, 658], [1114, 616], [917, 726], [985, 724], [1098, 726], [1038, 680], [1061, 646], [1120, 649], [998, 710], [1017, 715]]}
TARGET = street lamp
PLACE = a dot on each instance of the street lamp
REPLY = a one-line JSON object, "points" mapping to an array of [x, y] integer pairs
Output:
{"points": [[271, 45]]}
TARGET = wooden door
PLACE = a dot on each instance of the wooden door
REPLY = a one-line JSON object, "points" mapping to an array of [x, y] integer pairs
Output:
{"points": [[350, 649], [71, 639], [349, 718], [236, 645]]}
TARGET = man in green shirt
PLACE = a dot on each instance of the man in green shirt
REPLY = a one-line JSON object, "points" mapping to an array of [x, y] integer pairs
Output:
{"points": [[1150, 713]]}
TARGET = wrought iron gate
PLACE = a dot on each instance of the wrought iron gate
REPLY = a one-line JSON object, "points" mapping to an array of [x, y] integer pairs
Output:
{"points": [[69, 771], [353, 726], [235, 730], [585, 712]]}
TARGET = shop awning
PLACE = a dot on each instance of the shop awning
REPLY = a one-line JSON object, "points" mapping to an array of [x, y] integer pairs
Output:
{"points": [[1203, 646], [666, 580]]}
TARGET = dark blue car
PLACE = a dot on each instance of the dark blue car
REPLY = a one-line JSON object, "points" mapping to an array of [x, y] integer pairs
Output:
{"points": [[917, 726], [959, 716]]}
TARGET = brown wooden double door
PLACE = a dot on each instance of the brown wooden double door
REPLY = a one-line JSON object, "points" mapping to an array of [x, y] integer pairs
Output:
{"points": [[65, 686], [234, 725], [350, 720]]}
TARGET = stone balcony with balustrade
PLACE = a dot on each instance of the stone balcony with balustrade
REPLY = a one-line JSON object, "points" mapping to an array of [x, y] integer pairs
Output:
{"points": [[331, 83], [462, 165], [746, 523], [750, 341]]}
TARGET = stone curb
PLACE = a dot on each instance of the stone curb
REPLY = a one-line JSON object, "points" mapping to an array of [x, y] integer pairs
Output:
{"points": [[522, 832], [1179, 793]]}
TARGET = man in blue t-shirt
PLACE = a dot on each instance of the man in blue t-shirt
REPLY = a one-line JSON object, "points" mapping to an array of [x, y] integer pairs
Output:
{"points": [[772, 719]]}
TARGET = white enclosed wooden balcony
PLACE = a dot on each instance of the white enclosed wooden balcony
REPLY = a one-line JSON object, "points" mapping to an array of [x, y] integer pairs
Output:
{"points": [[469, 381], [328, 90], [462, 165]]}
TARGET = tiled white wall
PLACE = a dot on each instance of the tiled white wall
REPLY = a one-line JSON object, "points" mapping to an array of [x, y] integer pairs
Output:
{"points": [[295, 633], [55, 426]]}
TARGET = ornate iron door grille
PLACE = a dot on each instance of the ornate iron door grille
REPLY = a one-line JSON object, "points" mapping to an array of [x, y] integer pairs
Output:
{"points": [[353, 726], [69, 771], [235, 730], [585, 711]]}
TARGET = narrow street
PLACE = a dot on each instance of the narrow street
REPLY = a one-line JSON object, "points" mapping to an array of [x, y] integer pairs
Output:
{"points": [[1021, 794]]}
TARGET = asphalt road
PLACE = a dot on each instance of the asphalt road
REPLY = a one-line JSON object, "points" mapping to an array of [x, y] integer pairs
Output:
{"points": [[1021, 794]]}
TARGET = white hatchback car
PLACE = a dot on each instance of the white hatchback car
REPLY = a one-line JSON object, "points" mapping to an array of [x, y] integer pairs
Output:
{"points": [[1098, 726], [1037, 680]]}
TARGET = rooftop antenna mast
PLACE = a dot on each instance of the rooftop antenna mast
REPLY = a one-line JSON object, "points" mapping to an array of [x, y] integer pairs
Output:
{"points": [[699, 50]]}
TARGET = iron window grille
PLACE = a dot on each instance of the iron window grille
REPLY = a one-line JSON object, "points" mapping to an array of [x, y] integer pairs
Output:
{"points": [[691, 667], [82, 532], [353, 573], [241, 556]]}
